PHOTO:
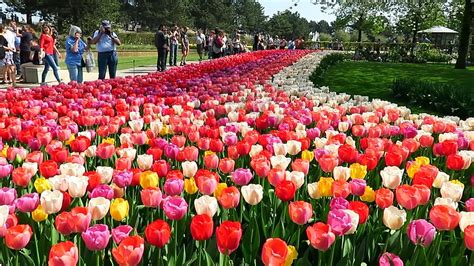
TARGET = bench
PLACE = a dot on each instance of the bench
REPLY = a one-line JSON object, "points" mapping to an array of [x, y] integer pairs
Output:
{"points": [[32, 73]]}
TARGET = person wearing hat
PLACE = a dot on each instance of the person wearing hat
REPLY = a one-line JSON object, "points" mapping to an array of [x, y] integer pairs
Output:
{"points": [[75, 48], [106, 42]]}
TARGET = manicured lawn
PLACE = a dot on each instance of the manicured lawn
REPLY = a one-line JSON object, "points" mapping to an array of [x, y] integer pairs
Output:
{"points": [[373, 79]]}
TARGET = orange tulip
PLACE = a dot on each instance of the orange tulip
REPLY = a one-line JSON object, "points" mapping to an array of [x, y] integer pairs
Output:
{"points": [[274, 252], [63, 254], [129, 251], [444, 218], [18, 236], [229, 198]]}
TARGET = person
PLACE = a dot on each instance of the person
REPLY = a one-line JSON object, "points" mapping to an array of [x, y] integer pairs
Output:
{"points": [[291, 45], [217, 44], [75, 48], [161, 46], [48, 48], [210, 39], [200, 42], [10, 35], [184, 45], [261, 43], [237, 44], [27, 36], [282, 44], [256, 40], [3, 50], [55, 35], [174, 36], [106, 42]]}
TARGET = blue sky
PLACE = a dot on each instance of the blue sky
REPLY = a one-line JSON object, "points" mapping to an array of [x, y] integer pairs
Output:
{"points": [[304, 7]]}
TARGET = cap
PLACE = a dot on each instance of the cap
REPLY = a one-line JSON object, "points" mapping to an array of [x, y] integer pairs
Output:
{"points": [[106, 24]]}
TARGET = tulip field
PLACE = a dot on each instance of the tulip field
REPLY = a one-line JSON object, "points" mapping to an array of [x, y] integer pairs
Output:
{"points": [[235, 161]]}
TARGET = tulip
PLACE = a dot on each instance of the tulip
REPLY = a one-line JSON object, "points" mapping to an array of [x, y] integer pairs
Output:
{"points": [[211, 161], [148, 179], [280, 162], [175, 207], [77, 186], [340, 188], [391, 176], [5, 170], [21, 176], [275, 176], [325, 186], [285, 191], [340, 222], [467, 218], [408, 196], [469, 237], [320, 236], [390, 259], [72, 169], [452, 190], [361, 209], [48, 169], [158, 233], [226, 165], [96, 237], [51, 201], [190, 186], [121, 232], [80, 217], [4, 211], [274, 251], [358, 171], [151, 197], [469, 205], [300, 212], [384, 198], [39, 215], [394, 218], [252, 193], [189, 168], [338, 203], [341, 173], [206, 184], [202, 227], [99, 207], [129, 251], [228, 236], [119, 209], [313, 190], [242, 176], [104, 191], [297, 178], [421, 232], [206, 205], [106, 173], [174, 186], [123, 178], [229, 198], [357, 187], [105, 151], [440, 179], [18, 236], [63, 253], [369, 195], [354, 221], [144, 161], [27, 203]]}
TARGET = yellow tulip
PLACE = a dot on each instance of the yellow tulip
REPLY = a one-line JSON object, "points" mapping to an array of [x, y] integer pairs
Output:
{"points": [[119, 209], [291, 256], [4, 151], [164, 130], [324, 186], [71, 138], [422, 160], [413, 168], [218, 191], [190, 186], [358, 170], [148, 179], [307, 155], [39, 214], [369, 195], [109, 140], [41, 184], [206, 153]]}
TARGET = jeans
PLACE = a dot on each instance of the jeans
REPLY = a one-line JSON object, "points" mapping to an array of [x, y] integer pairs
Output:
{"points": [[49, 62], [107, 59], [56, 59], [75, 73], [16, 59], [161, 62], [173, 54]]}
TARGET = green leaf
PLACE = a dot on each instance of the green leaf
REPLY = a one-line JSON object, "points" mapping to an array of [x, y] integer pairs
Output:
{"points": [[27, 256]]}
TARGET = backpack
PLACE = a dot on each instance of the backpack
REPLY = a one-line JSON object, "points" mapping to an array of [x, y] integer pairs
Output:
{"points": [[3, 42]]}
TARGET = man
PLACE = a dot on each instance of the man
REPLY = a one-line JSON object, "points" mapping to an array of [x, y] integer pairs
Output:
{"points": [[10, 35], [106, 42], [162, 47], [200, 41], [174, 40]]}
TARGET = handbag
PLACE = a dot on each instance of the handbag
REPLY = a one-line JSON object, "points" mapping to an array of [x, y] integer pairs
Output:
{"points": [[83, 62], [89, 61]]}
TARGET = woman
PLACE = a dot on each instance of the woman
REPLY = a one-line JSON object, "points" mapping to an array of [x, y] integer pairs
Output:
{"points": [[27, 37], [48, 47], [7, 64], [3, 50], [184, 46], [75, 48]]}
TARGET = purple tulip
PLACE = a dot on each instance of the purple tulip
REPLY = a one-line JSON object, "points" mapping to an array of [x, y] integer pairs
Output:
{"points": [[357, 186], [102, 190], [96, 237], [242, 176], [421, 232], [121, 232], [27, 202], [390, 259], [171, 151], [123, 178], [175, 207], [339, 203], [339, 221], [174, 186]]}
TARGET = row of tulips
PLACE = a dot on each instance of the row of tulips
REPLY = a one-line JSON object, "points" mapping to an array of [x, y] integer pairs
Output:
{"points": [[240, 153]]}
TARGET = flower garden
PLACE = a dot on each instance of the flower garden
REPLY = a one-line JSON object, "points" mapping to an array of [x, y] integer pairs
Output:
{"points": [[235, 161]]}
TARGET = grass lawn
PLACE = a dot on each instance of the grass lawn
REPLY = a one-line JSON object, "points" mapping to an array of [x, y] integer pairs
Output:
{"points": [[373, 79]]}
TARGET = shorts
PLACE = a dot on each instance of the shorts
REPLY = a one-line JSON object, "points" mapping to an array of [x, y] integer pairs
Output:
{"points": [[185, 48], [8, 60]]}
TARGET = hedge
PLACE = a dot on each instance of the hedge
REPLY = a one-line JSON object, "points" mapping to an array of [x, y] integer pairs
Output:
{"points": [[327, 61]]}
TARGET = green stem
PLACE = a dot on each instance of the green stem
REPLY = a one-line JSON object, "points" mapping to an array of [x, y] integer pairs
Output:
{"points": [[97, 258], [320, 258], [332, 255]]}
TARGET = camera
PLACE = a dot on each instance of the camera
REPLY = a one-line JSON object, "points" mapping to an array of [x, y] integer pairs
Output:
{"points": [[108, 32]]}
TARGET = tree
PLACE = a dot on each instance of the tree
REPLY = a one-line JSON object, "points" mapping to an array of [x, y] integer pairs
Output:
{"points": [[27, 7], [151, 13], [464, 37], [250, 15], [288, 24], [210, 14], [323, 27]]}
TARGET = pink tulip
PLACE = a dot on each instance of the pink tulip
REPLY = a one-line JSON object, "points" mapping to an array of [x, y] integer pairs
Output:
{"points": [[121, 232], [357, 187], [390, 259], [242, 176], [103, 190], [470, 205], [28, 202], [339, 221], [7, 196], [123, 178], [421, 232], [96, 237], [151, 197], [5, 170], [173, 186], [175, 207]]}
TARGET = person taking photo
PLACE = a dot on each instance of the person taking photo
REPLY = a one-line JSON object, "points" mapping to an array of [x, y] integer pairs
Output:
{"points": [[106, 42]]}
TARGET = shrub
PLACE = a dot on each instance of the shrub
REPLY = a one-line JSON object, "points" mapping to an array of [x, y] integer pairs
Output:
{"points": [[328, 61], [441, 97]]}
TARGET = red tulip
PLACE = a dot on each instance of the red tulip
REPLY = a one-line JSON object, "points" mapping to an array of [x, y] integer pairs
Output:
{"points": [[455, 162], [216, 145], [226, 165], [320, 236], [229, 198], [130, 251], [228, 236], [469, 237], [211, 161], [300, 212], [21, 177], [274, 252], [327, 163], [361, 209], [426, 141], [340, 188], [161, 167], [384, 198], [425, 193], [105, 150], [444, 218], [18, 236], [64, 224], [81, 218], [63, 254], [202, 227], [285, 191], [449, 147], [347, 153], [276, 176], [243, 148], [48, 169], [158, 233], [80, 144], [300, 165], [408, 196]]}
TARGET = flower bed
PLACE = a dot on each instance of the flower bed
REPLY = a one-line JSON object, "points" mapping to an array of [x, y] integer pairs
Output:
{"points": [[237, 159]]}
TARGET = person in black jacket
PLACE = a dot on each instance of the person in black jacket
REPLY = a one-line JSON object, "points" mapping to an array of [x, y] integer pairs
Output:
{"points": [[162, 47]]}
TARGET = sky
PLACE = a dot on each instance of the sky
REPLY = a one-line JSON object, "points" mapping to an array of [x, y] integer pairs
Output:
{"points": [[304, 7]]}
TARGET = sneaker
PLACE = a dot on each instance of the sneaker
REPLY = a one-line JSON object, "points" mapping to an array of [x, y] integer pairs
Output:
{"points": [[43, 84]]}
